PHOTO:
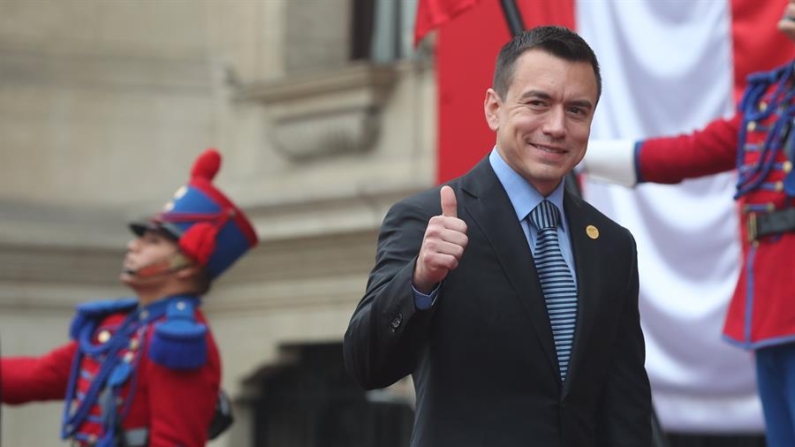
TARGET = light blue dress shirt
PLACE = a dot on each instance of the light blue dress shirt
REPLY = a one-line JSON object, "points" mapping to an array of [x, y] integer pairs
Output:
{"points": [[525, 198]]}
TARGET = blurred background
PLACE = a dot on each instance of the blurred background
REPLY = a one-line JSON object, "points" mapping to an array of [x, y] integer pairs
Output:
{"points": [[326, 114]]}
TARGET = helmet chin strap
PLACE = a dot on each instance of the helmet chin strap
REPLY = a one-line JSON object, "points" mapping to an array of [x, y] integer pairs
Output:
{"points": [[165, 265]]}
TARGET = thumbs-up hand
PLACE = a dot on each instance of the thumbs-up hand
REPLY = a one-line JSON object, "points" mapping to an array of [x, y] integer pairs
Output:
{"points": [[442, 246]]}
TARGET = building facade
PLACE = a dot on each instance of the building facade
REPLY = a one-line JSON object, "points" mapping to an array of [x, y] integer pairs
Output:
{"points": [[325, 116]]}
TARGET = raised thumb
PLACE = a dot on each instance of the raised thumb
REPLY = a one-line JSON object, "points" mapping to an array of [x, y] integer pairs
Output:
{"points": [[449, 202]]}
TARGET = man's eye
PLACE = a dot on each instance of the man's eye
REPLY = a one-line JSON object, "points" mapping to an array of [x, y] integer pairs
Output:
{"points": [[152, 239], [577, 110]]}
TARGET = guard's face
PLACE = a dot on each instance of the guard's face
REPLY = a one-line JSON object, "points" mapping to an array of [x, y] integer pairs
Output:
{"points": [[148, 256], [544, 121]]}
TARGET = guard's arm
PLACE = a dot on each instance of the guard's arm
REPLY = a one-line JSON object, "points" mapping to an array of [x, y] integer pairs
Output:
{"points": [[182, 401], [28, 379], [665, 160]]}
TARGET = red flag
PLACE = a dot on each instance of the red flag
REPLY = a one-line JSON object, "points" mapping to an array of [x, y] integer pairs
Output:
{"points": [[432, 14], [465, 54]]}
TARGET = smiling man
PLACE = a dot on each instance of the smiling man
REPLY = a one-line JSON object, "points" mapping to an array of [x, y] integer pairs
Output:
{"points": [[513, 304]]}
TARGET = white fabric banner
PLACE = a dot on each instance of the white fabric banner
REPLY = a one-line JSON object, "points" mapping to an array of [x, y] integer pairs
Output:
{"points": [[667, 68]]}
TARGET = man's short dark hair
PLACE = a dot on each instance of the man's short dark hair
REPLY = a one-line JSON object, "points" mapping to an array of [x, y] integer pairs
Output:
{"points": [[556, 40]]}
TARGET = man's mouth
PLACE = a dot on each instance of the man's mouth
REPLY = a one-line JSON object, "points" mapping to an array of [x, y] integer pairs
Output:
{"points": [[549, 149]]}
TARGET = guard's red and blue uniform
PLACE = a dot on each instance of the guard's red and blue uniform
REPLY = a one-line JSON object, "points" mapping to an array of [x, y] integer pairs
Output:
{"points": [[762, 310], [138, 376], [760, 143], [150, 374]]}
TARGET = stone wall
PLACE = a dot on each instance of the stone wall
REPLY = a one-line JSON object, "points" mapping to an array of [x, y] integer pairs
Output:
{"points": [[105, 105]]}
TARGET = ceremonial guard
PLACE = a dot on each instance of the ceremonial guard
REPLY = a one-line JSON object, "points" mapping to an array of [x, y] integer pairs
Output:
{"points": [[759, 141], [145, 371]]}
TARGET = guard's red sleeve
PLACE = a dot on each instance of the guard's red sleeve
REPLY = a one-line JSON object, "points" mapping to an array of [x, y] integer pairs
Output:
{"points": [[705, 152], [26, 379], [182, 403]]}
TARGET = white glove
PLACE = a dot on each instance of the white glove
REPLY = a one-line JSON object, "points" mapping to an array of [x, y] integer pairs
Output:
{"points": [[611, 161]]}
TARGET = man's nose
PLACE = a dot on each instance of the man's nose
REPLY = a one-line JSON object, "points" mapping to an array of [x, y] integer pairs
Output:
{"points": [[555, 122]]}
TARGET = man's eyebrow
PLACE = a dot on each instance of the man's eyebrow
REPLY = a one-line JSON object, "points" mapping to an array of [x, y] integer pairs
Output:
{"points": [[584, 103], [535, 94]]}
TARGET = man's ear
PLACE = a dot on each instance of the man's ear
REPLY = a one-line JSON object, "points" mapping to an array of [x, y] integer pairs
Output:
{"points": [[491, 108]]}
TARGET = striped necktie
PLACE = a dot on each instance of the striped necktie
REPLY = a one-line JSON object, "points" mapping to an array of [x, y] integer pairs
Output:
{"points": [[557, 282]]}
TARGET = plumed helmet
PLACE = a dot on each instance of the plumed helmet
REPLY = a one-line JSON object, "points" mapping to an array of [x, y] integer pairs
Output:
{"points": [[209, 228]]}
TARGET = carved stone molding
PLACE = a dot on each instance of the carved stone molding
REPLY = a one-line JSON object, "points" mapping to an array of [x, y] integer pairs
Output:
{"points": [[327, 113]]}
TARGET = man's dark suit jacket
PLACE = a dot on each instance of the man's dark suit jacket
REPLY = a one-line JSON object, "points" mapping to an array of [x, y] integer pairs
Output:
{"points": [[482, 358]]}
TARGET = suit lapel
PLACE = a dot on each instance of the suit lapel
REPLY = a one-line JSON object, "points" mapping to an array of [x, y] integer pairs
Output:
{"points": [[485, 195], [585, 256]]}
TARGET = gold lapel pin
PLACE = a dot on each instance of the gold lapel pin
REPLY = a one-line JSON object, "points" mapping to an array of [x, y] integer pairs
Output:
{"points": [[592, 231]]}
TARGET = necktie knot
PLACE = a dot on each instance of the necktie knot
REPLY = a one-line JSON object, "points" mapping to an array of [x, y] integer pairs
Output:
{"points": [[545, 215]]}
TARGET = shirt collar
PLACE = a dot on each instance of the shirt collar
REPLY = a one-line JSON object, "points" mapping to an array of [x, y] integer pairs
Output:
{"points": [[523, 196]]}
